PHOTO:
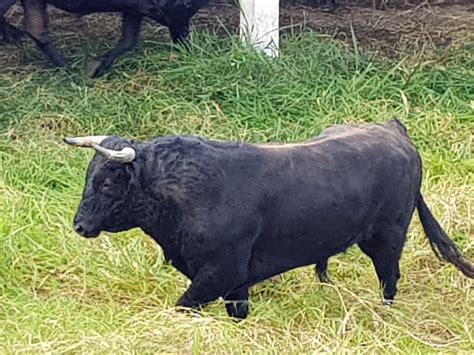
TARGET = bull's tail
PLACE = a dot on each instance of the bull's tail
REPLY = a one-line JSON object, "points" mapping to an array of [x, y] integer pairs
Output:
{"points": [[442, 245]]}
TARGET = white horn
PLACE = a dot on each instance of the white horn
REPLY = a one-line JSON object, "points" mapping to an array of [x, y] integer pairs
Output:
{"points": [[87, 141], [126, 155]]}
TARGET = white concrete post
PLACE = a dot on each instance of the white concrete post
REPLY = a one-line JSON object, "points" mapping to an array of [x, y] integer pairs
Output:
{"points": [[259, 24]]}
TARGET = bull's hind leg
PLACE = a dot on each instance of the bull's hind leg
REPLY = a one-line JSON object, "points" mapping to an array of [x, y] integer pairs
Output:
{"points": [[36, 19], [385, 250], [236, 303], [131, 24], [322, 271]]}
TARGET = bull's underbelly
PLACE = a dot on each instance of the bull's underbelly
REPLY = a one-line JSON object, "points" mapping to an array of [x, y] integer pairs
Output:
{"points": [[277, 253], [311, 224]]}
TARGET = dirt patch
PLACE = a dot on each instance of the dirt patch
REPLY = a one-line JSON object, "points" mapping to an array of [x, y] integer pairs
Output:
{"points": [[387, 27], [383, 26]]}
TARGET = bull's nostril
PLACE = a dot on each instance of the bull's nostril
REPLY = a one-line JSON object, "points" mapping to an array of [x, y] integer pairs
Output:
{"points": [[78, 228]]}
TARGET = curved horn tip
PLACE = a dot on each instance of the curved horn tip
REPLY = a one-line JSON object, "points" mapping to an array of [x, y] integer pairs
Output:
{"points": [[126, 155], [70, 140]]}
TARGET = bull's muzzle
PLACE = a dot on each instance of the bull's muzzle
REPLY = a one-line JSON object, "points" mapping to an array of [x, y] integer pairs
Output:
{"points": [[84, 231]]}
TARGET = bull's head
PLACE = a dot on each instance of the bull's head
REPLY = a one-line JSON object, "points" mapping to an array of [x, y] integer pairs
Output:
{"points": [[108, 192]]}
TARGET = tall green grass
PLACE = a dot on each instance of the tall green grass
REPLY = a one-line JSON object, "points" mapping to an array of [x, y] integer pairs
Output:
{"points": [[61, 293]]}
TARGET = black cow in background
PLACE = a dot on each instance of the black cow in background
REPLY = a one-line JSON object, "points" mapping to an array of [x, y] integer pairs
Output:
{"points": [[175, 14], [9, 33], [230, 215]]}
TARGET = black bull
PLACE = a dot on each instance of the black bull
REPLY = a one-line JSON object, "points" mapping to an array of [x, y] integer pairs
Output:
{"points": [[175, 14], [230, 215]]}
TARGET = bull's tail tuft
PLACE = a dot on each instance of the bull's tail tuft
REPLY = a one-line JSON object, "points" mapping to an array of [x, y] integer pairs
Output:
{"points": [[442, 245]]}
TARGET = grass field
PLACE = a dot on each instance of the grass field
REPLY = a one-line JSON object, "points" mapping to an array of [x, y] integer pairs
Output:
{"points": [[115, 294]]}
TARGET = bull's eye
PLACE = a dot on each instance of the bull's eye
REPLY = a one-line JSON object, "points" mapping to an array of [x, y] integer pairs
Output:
{"points": [[107, 185]]}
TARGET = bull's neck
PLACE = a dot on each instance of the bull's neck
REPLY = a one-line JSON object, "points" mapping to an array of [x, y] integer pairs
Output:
{"points": [[153, 218]]}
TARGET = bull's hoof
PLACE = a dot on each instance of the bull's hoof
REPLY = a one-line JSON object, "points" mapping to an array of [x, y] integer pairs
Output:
{"points": [[193, 312], [12, 35], [239, 310], [329, 7], [97, 68], [324, 278]]}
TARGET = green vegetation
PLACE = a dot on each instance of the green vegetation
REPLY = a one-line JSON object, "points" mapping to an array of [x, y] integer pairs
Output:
{"points": [[61, 293]]}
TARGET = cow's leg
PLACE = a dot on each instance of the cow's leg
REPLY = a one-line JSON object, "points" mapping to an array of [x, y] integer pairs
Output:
{"points": [[5, 5], [179, 31], [236, 303], [385, 250], [131, 23], [10, 33], [36, 19], [322, 271], [330, 4]]}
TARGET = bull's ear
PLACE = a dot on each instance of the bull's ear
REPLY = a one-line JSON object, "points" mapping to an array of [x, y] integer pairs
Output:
{"points": [[125, 155]]}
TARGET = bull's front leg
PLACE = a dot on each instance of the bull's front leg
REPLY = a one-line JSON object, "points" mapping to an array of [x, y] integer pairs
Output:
{"points": [[36, 19], [212, 282], [219, 262], [131, 23]]}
